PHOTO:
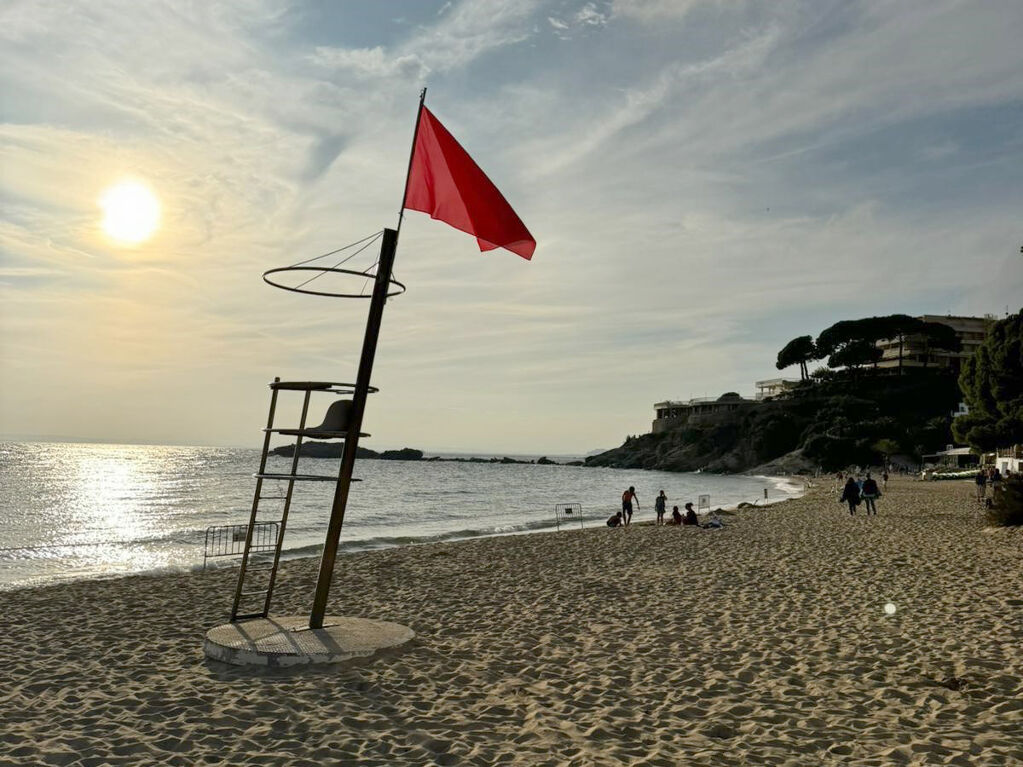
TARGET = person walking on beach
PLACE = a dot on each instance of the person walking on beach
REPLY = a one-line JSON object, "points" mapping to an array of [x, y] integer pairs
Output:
{"points": [[627, 498], [659, 506], [851, 495], [996, 484], [884, 479], [870, 492], [981, 480]]}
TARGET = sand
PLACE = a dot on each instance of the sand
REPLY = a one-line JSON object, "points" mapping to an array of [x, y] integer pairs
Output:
{"points": [[765, 643]]}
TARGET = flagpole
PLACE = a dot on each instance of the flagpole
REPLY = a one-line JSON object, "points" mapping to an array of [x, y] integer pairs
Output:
{"points": [[411, 157], [385, 267]]}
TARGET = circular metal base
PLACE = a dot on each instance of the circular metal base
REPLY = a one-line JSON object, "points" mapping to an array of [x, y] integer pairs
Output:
{"points": [[288, 640]]}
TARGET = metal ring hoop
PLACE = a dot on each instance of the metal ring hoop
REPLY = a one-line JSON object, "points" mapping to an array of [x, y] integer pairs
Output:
{"points": [[266, 278]]}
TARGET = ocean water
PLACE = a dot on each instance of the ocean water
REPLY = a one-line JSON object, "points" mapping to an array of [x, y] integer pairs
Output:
{"points": [[70, 511]]}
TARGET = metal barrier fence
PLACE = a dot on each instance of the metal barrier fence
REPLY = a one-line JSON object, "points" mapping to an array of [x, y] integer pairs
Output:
{"points": [[566, 512], [229, 540]]}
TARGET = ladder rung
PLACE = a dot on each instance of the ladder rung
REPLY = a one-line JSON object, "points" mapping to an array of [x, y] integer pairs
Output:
{"points": [[272, 497], [253, 593], [248, 616], [301, 477]]}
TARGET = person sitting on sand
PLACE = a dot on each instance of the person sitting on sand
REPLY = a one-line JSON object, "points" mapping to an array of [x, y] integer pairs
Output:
{"points": [[851, 495], [659, 505], [691, 518], [676, 516], [869, 492], [713, 523], [627, 498], [615, 520]]}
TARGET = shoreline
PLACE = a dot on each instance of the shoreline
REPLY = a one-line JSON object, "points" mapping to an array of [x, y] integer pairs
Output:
{"points": [[355, 548]]}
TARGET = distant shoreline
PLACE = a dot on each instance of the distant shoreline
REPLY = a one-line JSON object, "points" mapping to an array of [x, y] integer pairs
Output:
{"points": [[319, 449]]}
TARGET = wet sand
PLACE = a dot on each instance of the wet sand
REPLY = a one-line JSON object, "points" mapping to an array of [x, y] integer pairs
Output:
{"points": [[763, 643]]}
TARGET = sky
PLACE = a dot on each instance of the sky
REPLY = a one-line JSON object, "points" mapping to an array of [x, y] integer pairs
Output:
{"points": [[705, 181]]}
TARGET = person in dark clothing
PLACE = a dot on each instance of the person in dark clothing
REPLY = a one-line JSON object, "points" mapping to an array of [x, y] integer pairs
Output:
{"points": [[627, 498], [851, 495], [676, 516], [996, 483], [615, 520], [870, 493], [981, 481], [690, 516], [659, 506]]}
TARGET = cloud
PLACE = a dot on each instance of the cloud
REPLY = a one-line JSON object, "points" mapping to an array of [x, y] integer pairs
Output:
{"points": [[591, 16], [588, 16], [657, 11], [703, 187], [371, 62]]}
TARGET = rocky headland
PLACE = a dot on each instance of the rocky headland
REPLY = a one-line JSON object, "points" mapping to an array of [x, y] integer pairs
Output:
{"points": [[315, 449]]}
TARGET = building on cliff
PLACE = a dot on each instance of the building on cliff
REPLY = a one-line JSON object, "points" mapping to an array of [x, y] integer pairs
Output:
{"points": [[916, 352], [770, 388], [670, 413]]}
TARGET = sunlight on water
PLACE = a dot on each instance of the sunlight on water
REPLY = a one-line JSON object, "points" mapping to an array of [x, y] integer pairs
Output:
{"points": [[106, 492], [70, 511]]}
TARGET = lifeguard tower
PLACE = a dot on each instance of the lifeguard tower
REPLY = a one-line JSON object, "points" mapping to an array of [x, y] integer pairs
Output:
{"points": [[443, 181], [253, 636]]}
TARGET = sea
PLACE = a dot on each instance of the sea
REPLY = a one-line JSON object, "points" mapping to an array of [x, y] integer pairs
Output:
{"points": [[72, 511]]}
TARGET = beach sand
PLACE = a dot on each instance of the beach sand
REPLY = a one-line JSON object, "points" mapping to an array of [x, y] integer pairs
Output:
{"points": [[765, 643]]}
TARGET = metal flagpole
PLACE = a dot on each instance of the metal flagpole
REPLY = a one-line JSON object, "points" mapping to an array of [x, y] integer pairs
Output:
{"points": [[411, 156], [385, 266]]}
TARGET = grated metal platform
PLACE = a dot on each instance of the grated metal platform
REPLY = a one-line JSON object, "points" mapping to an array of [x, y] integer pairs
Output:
{"points": [[288, 640]]}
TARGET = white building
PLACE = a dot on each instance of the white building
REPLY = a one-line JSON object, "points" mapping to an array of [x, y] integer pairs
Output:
{"points": [[772, 387], [917, 353]]}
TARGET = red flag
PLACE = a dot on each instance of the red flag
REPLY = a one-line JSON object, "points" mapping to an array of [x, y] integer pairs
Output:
{"points": [[445, 182]]}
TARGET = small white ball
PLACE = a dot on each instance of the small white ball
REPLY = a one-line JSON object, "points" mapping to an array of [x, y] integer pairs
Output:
{"points": [[889, 608]]}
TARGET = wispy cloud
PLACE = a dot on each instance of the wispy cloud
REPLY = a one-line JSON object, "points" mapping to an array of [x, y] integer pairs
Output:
{"points": [[706, 180]]}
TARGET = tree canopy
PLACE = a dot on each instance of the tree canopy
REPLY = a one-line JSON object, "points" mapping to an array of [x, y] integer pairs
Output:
{"points": [[855, 353], [798, 351], [992, 385]]}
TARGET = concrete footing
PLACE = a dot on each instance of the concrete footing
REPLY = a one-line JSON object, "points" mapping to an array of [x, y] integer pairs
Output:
{"points": [[288, 640]]}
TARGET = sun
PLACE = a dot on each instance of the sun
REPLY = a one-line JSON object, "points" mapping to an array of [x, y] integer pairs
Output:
{"points": [[131, 212]]}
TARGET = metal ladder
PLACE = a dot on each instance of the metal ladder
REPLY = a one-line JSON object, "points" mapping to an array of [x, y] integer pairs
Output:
{"points": [[264, 537], [255, 558]]}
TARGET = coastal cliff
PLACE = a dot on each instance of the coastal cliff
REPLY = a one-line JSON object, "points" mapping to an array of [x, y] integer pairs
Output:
{"points": [[859, 419]]}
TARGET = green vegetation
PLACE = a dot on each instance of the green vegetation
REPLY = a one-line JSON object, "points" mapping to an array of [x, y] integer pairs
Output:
{"points": [[851, 412], [798, 351], [992, 385], [1008, 506]]}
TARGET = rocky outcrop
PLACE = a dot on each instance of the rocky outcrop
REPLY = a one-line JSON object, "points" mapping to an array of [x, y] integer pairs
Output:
{"points": [[319, 450], [405, 454]]}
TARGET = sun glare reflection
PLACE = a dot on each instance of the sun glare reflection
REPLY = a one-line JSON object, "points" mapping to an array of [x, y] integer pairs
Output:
{"points": [[109, 489]]}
